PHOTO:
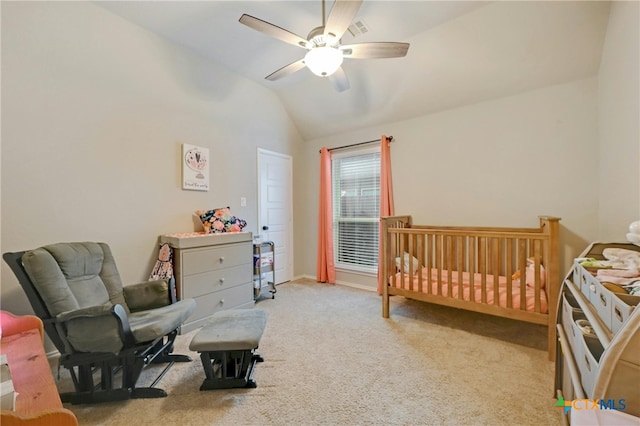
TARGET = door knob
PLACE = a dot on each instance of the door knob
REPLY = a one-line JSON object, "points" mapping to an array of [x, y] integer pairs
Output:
{"points": [[265, 228]]}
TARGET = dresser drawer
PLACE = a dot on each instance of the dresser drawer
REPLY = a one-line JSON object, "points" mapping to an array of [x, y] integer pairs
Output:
{"points": [[217, 280], [575, 334], [588, 284], [602, 300], [589, 362], [569, 308], [208, 304], [621, 310], [197, 261]]}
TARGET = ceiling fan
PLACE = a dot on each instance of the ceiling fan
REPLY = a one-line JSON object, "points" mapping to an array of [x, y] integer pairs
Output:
{"points": [[325, 53]]}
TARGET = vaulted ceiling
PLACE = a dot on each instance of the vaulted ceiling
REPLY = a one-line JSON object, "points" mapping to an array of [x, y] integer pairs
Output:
{"points": [[462, 52]]}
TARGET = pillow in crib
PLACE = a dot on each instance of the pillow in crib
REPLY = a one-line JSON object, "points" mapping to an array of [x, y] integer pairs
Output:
{"points": [[406, 257], [220, 220], [530, 274]]}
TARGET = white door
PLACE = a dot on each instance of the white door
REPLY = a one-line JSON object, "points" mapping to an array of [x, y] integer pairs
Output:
{"points": [[275, 209]]}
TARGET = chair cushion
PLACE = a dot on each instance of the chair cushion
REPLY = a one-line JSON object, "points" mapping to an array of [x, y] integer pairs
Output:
{"points": [[47, 277], [97, 331], [74, 275], [111, 278], [147, 295], [154, 323], [233, 329]]}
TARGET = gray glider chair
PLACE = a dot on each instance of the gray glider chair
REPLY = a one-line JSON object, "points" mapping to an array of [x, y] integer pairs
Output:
{"points": [[103, 330]]}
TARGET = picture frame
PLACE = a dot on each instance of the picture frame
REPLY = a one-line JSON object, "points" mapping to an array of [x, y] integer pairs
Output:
{"points": [[195, 168]]}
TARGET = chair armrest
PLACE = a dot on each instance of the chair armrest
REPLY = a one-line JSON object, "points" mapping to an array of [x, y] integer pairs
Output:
{"points": [[147, 295], [90, 312], [102, 328]]}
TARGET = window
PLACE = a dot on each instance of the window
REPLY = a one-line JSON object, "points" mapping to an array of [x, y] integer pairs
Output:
{"points": [[356, 209]]}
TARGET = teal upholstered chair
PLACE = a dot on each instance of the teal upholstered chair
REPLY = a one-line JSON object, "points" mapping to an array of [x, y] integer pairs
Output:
{"points": [[101, 327]]}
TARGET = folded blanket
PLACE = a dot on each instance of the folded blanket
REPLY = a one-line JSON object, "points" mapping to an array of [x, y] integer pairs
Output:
{"points": [[622, 258], [621, 273]]}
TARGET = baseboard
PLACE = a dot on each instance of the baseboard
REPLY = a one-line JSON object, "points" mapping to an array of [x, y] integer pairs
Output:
{"points": [[338, 282]]}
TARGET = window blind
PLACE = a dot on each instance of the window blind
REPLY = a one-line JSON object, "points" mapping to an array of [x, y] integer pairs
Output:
{"points": [[356, 209]]}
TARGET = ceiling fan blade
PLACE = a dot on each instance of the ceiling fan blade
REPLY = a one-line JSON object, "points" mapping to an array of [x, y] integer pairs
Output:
{"points": [[273, 30], [286, 70], [341, 16], [374, 50], [339, 80]]}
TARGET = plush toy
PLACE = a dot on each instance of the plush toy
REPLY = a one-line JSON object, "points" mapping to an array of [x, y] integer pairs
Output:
{"points": [[163, 268], [634, 233]]}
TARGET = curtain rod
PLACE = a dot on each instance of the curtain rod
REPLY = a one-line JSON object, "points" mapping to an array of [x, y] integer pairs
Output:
{"points": [[358, 144]]}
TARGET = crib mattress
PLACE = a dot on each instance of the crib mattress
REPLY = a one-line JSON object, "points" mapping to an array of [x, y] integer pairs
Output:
{"points": [[472, 284]]}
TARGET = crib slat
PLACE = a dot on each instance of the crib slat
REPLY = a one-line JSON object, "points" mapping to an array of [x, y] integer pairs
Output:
{"points": [[448, 262], [495, 269], [522, 262], [482, 252], [420, 257], [460, 265], [472, 267], [429, 263], [538, 278], [509, 272], [438, 261], [411, 263]]}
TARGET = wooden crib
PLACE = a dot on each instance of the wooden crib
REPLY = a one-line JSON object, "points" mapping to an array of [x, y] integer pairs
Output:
{"points": [[506, 272]]}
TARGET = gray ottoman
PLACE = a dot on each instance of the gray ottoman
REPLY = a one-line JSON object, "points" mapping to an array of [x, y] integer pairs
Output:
{"points": [[227, 345]]}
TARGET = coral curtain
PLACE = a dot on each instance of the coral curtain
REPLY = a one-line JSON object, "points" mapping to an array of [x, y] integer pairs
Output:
{"points": [[326, 271], [386, 198]]}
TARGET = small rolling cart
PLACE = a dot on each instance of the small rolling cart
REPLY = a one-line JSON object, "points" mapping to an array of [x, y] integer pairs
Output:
{"points": [[264, 268]]}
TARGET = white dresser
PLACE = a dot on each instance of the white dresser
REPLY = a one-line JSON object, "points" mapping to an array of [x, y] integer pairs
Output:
{"points": [[214, 269]]}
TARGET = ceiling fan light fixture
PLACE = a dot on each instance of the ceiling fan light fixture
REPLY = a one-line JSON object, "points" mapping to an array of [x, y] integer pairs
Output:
{"points": [[323, 61]]}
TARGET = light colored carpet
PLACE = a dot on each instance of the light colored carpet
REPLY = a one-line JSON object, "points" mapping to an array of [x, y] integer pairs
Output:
{"points": [[331, 359]]}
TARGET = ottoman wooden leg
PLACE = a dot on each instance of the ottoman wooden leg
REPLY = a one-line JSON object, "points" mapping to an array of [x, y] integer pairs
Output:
{"points": [[229, 369]]}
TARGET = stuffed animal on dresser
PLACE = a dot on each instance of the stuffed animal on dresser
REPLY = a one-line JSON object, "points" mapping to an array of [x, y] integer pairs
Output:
{"points": [[163, 268]]}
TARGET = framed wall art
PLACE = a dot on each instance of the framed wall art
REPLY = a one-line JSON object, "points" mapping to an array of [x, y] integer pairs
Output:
{"points": [[195, 168]]}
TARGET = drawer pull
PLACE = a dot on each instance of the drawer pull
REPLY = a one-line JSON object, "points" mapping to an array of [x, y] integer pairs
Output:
{"points": [[222, 280], [617, 313], [221, 259], [603, 300], [222, 301]]}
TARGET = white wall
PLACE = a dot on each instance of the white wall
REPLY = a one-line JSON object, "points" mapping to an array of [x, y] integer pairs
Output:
{"points": [[619, 130], [497, 163], [571, 150], [94, 110]]}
